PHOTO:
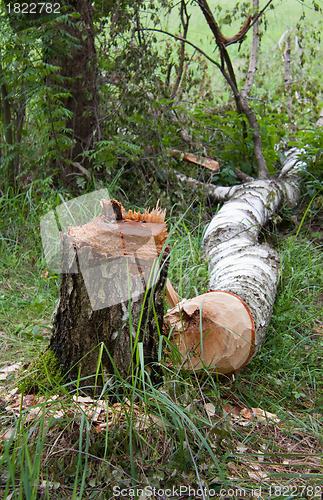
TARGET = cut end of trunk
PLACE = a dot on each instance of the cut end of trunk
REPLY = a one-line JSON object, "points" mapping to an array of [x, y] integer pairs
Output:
{"points": [[214, 331], [118, 250]]}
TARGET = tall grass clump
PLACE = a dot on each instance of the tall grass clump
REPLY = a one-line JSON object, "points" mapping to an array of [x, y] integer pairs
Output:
{"points": [[28, 292]]}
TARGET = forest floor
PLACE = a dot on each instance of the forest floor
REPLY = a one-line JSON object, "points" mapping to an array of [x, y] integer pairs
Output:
{"points": [[257, 434]]}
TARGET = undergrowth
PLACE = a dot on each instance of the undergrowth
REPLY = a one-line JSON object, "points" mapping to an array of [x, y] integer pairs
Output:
{"points": [[184, 434]]}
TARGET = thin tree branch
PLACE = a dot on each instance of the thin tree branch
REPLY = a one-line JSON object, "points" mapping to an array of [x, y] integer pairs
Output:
{"points": [[242, 176], [254, 53], [218, 38], [319, 122], [238, 37], [257, 141], [286, 57], [251, 25], [180, 38], [241, 102], [185, 18], [86, 173], [287, 73], [169, 70], [217, 193]]}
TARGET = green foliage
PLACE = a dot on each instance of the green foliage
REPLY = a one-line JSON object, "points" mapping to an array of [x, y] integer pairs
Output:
{"points": [[311, 141], [36, 98], [109, 154], [139, 117]]}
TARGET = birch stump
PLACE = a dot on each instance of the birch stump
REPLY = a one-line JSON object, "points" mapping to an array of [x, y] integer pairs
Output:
{"points": [[224, 328], [111, 294]]}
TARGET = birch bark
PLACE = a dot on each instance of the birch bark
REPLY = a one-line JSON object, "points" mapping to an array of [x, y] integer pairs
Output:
{"points": [[220, 334], [238, 263]]}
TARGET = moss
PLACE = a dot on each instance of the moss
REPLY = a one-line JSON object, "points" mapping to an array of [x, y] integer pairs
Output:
{"points": [[44, 373]]}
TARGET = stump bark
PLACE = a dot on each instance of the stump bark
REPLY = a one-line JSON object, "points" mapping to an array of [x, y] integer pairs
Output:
{"points": [[111, 295]]}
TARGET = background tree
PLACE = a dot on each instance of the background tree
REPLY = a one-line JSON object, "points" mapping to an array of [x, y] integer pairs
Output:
{"points": [[74, 53], [136, 112]]}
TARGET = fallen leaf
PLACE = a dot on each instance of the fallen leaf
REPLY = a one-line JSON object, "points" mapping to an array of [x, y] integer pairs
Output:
{"points": [[264, 416], [257, 475], [81, 399], [241, 448], [49, 484], [243, 422], [259, 414], [4, 372], [247, 413], [210, 409], [231, 409], [6, 435]]}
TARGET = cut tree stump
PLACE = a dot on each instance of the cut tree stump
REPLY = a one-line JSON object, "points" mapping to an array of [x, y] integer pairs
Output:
{"points": [[113, 275]]}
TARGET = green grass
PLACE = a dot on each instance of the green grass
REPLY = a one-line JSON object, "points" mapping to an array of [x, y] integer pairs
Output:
{"points": [[162, 437], [291, 360], [27, 295]]}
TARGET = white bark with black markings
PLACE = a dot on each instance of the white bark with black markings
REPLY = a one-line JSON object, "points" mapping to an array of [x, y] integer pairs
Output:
{"points": [[237, 262], [224, 328]]}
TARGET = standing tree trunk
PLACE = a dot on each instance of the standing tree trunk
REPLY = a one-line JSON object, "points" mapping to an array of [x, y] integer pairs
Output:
{"points": [[225, 327], [110, 308], [8, 135], [69, 46], [78, 63], [254, 53]]}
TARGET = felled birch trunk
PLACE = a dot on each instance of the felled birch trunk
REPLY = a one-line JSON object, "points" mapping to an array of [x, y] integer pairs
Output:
{"points": [[224, 328], [111, 295]]}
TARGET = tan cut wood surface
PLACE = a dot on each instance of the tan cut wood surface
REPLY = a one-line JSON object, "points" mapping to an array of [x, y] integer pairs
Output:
{"points": [[215, 330]]}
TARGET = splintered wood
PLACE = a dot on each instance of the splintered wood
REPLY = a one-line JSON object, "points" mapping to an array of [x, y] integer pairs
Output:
{"points": [[118, 233], [202, 161]]}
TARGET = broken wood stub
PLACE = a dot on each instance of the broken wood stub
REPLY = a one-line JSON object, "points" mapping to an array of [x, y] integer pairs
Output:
{"points": [[202, 161], [113, 275]]}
